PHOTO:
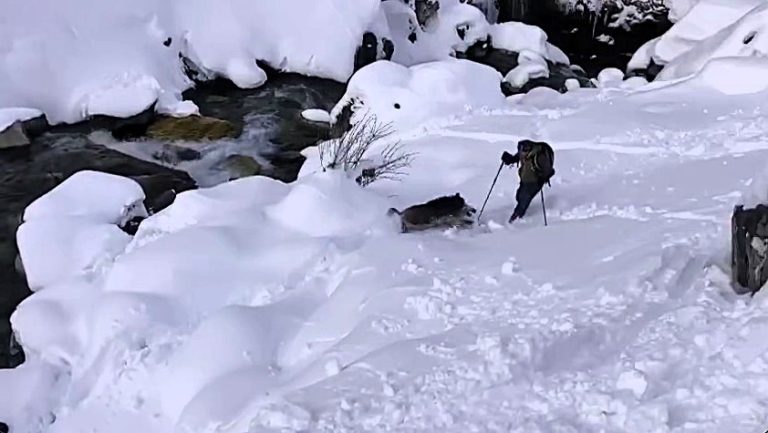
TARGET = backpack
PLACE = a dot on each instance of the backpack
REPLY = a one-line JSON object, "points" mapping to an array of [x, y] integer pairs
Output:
{"points": [[544, 168]]}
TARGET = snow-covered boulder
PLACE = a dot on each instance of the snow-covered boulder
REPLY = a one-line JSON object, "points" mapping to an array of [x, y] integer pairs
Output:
{"points": [[408, 97], [456, 27], [531, 65], [75, 226], [711, 28], [610, 77], [519, 37], [747, 37]]}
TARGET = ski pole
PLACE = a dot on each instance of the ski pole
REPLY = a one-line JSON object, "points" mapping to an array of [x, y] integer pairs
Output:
{"points": [[543, 208], [490, 191]]}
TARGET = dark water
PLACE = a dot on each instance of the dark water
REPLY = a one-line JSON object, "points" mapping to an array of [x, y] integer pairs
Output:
{"points": [[269, 117]]}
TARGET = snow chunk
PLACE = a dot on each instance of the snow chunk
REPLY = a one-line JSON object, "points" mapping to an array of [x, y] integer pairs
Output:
{"points": [[518, 37], [408, 97], [572, 84], [531, 66], [316, 115], [9, 116], [610, 77]]}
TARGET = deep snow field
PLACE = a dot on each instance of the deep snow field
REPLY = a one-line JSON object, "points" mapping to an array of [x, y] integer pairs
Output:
{"points": [[258, 306], [265, 307]]}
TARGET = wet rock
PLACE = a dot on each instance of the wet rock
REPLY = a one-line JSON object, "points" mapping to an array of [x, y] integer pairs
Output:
{"points": [[191, 128], [13, 136], [285, 165], [367, 52], [297, 133], [343, 121], [649, 73], [426, 12], [155, 186], [239, 166], [173, 155], [121, 128], [36, 127]]}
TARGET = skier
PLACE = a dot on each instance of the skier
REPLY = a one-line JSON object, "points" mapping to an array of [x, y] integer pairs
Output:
{"points": [[536, 160]]}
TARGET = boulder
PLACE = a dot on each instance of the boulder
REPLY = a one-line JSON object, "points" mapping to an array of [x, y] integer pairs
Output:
{"points": [[191, 128], [506, 61], [173, 155], [298, 132], [13, 137], [239, 166]]}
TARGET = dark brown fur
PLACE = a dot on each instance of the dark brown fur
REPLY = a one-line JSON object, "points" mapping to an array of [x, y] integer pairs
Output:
{"points": [[446, 211]]}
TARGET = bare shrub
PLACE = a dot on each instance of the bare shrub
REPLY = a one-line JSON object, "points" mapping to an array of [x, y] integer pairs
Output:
{"points": [[348, 153]]}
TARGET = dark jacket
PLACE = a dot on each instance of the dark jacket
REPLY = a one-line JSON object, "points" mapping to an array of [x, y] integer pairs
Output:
{"points": [[536, 159]]}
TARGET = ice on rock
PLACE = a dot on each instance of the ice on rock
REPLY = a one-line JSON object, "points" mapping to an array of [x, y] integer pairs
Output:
{"points": [[316, 115]]}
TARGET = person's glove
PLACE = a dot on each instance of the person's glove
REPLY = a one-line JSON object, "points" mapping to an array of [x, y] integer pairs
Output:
{"points": [[507, 158]]}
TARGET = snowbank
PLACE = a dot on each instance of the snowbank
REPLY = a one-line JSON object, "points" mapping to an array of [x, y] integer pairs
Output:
{"points": [[407, 97], [75, 227], [80, 59]]}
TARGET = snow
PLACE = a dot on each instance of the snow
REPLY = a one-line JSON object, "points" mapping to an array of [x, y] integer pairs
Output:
{"points": [[9, 116], [316, 115], [517, 37], [414, 45], [408, 97], [74, 228], [89, 57], [531, 65], [262, 306], [610, 77], [736, 76], [711, 29]]}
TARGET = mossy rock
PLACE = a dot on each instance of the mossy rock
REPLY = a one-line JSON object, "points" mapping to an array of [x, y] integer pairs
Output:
{"points": [[191, 128], [240, 166]]}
